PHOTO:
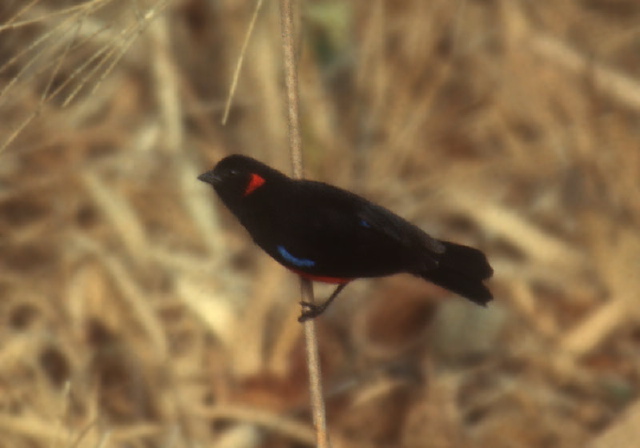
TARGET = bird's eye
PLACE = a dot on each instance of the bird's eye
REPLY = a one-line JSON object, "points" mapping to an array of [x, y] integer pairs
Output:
{"points": [[234, 172]]}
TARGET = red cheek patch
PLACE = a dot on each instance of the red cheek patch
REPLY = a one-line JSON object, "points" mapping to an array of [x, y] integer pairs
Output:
{"points": [[255, 183]]}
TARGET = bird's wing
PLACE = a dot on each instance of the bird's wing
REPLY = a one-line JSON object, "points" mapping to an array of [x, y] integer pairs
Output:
{"points": [[338, 207], [381, 220]]}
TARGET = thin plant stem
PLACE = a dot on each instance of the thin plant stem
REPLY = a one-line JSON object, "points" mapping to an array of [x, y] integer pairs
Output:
{"points": [[243, 51], [306, 287]]}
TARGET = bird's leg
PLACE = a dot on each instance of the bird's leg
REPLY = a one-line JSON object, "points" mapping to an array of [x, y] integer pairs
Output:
{"points": [[311, 310]]}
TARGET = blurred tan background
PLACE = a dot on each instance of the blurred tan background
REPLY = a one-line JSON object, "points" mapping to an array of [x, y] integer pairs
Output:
{"points": [[135, 311]]}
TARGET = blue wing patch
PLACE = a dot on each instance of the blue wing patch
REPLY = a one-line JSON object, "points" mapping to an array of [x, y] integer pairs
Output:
{"points": [[299, 262]]}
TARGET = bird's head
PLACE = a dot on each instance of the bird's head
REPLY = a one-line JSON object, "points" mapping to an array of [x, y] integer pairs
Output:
{"points": [[238, 177]]}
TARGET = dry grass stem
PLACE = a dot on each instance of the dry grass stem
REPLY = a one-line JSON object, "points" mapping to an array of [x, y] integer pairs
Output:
{"points": [[287, 16], [243, 51]]}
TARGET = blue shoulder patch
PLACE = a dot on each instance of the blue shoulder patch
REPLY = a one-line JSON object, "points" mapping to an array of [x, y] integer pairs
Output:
{"points": [[299, 262]]}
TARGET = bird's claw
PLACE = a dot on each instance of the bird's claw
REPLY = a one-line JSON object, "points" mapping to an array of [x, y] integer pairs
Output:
{"points": [[310, 311]]}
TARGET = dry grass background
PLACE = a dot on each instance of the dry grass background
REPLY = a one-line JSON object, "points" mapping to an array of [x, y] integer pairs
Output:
{"points": [[134, 311]]}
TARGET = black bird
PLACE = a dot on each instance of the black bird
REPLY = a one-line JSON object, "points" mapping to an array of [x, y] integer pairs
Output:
{"points": [[331, 235]]}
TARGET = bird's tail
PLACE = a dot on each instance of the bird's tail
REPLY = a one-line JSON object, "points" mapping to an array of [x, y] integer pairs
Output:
{"points": [[461, 269]]}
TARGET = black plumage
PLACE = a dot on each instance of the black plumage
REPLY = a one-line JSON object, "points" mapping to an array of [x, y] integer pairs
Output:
{"points": [[329, 234]]}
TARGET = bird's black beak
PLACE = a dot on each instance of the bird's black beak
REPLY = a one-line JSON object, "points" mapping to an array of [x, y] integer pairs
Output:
{"points": [[209, 178]]}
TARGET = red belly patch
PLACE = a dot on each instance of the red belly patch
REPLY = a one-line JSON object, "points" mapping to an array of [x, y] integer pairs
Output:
{"points": [[322, 278]]}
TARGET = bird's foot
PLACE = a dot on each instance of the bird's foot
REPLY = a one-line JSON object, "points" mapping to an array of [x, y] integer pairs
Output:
{"points": [[310, 311]]}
